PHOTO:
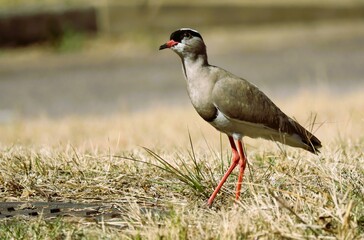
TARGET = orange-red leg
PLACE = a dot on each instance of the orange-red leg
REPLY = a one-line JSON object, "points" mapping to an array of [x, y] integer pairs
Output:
{"points": [[242, 163], [234, 162]]}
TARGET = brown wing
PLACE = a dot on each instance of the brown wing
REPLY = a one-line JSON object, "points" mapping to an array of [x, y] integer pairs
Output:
{"points": [[238, 99]]}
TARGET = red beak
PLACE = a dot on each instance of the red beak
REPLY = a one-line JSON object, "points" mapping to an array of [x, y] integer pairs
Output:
{"points": [[168, 44]]}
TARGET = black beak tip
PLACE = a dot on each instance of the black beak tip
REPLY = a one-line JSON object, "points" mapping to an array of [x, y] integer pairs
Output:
{"points": [[163, 46]]}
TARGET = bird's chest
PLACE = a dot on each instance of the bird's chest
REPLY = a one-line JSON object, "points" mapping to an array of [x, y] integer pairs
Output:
{"points": [[199, 92]]}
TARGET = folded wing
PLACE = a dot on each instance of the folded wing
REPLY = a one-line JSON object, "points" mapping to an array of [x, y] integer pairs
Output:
{"points": [[240, 100]]}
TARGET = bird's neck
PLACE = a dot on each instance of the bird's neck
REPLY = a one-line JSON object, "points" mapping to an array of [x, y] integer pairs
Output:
{"points": [[193, 64]]}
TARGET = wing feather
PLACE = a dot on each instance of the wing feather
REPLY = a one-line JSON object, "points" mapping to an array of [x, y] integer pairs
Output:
{"points": [[240, 100]]}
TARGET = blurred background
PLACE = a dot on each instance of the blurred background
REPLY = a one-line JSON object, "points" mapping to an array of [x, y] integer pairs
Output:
{"points": [[78, 57]]}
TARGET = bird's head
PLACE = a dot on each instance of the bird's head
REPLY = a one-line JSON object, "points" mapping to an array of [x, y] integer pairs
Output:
{"points": [[185, 41]]}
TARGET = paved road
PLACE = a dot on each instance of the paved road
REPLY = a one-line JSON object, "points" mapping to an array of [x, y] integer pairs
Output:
{"points": [[74, 85]]}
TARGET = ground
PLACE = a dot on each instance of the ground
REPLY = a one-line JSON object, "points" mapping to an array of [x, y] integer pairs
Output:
{"points": [[155, 161], [161, 181]]}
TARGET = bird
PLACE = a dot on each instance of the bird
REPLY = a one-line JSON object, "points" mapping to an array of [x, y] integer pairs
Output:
{"points": [[233, 105]]}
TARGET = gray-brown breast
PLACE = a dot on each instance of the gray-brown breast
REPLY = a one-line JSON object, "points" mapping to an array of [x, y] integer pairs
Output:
{"points": [[199, 87]]}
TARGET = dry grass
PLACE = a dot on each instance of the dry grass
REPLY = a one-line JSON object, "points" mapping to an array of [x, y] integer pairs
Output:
{"points": [[287, 193]]}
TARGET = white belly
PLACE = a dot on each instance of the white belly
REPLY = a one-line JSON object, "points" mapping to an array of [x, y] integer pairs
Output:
{"points": [[238, 129]]}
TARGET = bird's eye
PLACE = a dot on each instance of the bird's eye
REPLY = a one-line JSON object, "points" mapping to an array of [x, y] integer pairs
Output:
{"points": [[187, 35]]}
